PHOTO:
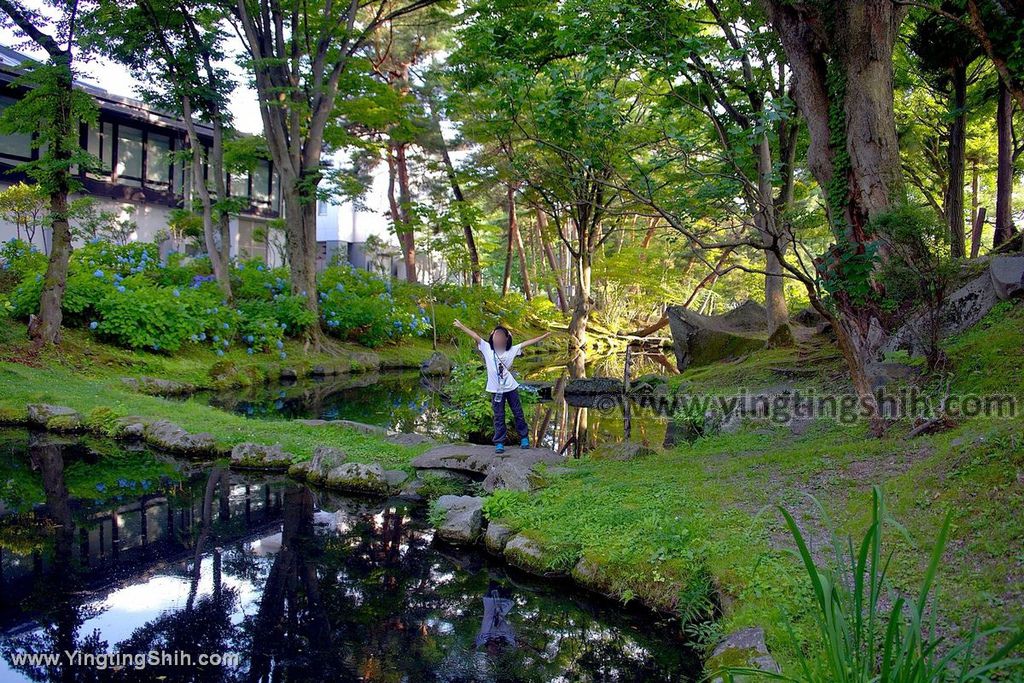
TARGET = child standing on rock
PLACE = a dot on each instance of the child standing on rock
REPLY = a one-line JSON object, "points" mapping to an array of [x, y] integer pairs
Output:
{"points": [[499, 352]]}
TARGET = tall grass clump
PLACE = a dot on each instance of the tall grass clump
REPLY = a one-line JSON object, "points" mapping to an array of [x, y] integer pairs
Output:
{"points": [[870, 633]]}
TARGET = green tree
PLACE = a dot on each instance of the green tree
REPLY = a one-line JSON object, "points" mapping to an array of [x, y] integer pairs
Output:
{"points": [[178, 45], [51, 112], [307, 59]]}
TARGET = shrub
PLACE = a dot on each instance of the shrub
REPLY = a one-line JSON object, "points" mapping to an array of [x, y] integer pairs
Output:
{"points": [[147, 317]]}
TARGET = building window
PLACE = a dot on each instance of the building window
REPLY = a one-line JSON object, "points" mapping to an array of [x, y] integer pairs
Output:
{"points": [[239, 185], [129, 156], [261, 183], [17, 146], [158, 160]]}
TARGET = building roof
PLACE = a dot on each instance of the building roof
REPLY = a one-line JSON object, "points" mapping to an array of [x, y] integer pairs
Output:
{"points": [[13, 64]]}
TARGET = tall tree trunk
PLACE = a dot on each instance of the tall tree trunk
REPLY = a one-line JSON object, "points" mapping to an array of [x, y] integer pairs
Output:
{"points": [[45, 327], [218, 256], [582, 307], [841, 55], [301, 248], [406, 237], [549, 254], [510, 207], [955, 151], [765, 220], [1004, 173], [476, 275], [524, 274]]}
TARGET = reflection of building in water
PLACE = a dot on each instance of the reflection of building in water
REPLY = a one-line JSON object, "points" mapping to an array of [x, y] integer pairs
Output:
{"points": [[119, 544]]}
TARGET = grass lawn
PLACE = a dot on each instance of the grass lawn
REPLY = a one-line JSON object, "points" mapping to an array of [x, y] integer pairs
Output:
{"points": [[671, 527]]}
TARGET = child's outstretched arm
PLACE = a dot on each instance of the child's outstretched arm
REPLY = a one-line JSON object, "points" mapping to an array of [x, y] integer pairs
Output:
{"points": [[536, 339], [476, 337]]}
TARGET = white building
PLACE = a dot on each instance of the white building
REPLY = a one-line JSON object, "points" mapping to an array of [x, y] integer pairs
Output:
{"points": [[145, 183]]}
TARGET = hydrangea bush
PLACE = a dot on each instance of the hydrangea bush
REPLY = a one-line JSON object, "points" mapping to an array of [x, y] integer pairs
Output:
{"points": [[129, 296]]}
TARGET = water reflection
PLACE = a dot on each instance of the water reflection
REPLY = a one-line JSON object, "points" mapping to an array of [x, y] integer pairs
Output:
{"points": [[302, 585], [405, 402]]}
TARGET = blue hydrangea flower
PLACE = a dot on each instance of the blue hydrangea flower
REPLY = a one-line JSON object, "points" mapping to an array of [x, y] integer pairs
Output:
{"points": [[98, 273], [220, 352], [93, 325], [280, 344], [283, 355]]}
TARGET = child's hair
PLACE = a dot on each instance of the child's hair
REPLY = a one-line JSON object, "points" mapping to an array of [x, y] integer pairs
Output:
{"points": [[508, 336]]}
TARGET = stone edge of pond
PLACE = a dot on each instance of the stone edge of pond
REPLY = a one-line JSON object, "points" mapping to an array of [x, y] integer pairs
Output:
{"points": [[459, 520], [171, 438]]}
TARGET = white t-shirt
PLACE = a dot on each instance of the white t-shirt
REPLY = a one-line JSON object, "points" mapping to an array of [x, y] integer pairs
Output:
{"points": [[506, 382]]}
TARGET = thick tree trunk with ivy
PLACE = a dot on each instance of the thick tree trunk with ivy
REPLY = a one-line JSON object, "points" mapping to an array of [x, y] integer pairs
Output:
{"points": [[406, 236], [583, 305], [841, 56]]}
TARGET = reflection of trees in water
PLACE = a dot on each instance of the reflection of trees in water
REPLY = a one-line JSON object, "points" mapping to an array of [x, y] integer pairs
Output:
{"points": [[368, 596], [54, 597]]}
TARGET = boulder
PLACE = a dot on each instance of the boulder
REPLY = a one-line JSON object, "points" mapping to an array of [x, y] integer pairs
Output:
{"points": [[411, 490], [461, 518], [588, 574], [593, 386], [402, 439], [1007, 276], [288, 374], [745, 648], [437, 365], [513, 475], [529, 555], [963, 308], [395, 478], [260, 456], [171, 437], [154, 386], [702, 339], [478, 460], [360, 427], [54, 418], [130, 427], [358, 477], [496, 537]]}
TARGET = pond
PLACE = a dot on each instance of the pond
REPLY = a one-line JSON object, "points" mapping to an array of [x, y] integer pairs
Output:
{"points": [[108, 550], [404, 402]]}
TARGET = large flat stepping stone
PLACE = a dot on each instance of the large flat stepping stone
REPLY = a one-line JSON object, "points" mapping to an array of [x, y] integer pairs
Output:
{"points": [[473, 459]]}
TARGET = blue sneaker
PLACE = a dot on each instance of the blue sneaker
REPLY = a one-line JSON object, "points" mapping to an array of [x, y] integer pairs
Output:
{"points": [[499, 448], [525, 443]]}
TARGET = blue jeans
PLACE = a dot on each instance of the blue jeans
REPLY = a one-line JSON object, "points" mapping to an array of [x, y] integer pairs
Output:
{"points": [[498, 402]]}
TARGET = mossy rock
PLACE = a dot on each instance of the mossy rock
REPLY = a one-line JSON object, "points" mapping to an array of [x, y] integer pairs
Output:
{"points": [[54, 418], [589, 573], [358, 478], [535, 556]]}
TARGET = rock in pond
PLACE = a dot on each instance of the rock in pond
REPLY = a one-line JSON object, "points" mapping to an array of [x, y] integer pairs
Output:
{"points": [[54, 418], [358, 477], [437, 365], [314, 470], [588, 574], [593, 386], [260, 457], [496, 537], [744, 648], [395, 478], [463, 518], [171, 437], [530, 555]]}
